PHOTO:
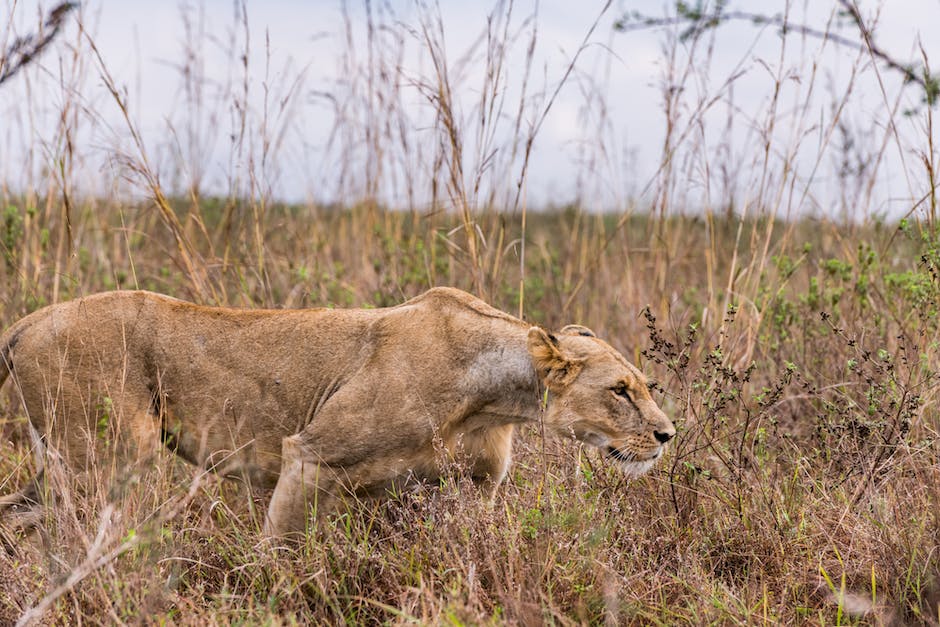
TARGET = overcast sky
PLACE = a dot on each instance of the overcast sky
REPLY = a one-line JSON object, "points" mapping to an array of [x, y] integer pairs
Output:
{"points": [[601, 142]]}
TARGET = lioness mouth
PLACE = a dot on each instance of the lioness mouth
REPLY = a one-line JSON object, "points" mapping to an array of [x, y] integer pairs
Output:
{"points": [[619, 455]]}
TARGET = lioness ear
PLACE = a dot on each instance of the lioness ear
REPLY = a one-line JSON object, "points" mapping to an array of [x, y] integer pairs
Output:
{"points": [[577, 329], [554, 368]]}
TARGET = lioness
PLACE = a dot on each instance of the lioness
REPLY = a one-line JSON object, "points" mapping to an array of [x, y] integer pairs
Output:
{"points": [[319, 402]]}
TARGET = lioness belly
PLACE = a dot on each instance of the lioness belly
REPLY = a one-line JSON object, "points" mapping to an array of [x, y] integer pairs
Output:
{"points": [[222, 444]]}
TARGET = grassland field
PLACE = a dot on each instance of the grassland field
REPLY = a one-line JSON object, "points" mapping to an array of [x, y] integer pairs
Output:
{"points": [[802, 487]]}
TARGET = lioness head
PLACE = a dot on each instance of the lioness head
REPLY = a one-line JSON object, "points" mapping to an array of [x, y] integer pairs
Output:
{"points": [[598, 397]]}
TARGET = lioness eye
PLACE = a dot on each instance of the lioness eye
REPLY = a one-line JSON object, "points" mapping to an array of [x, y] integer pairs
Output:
{"points": [[622, 390]]}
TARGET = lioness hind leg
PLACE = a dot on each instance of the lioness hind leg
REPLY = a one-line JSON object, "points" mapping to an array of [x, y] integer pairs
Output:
{"points": [[28, 496], [88, 443], [21, 512]]}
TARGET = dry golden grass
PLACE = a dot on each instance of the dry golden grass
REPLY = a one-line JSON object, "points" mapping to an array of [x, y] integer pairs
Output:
{"points": [[804, 472]]}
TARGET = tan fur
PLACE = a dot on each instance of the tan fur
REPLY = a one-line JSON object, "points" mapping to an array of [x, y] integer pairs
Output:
{"points": [[319, 403]]}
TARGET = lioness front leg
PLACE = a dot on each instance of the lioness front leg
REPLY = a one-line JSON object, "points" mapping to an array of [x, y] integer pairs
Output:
{"points": [[310, 481], [492, 450], [347, 450], [304, 482]]}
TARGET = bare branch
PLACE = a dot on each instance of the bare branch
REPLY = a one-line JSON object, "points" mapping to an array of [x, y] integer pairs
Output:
{"points": [[26, 49], [698, 20]]}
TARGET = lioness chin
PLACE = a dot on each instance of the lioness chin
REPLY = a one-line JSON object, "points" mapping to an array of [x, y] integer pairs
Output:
{"points": [[319, 402]]}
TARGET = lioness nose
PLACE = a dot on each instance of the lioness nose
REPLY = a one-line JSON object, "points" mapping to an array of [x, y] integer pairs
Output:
{"points": [[663, 436]]}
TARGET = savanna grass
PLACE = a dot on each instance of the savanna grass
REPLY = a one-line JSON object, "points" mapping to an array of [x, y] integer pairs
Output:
{"points": [[803, 474]]}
